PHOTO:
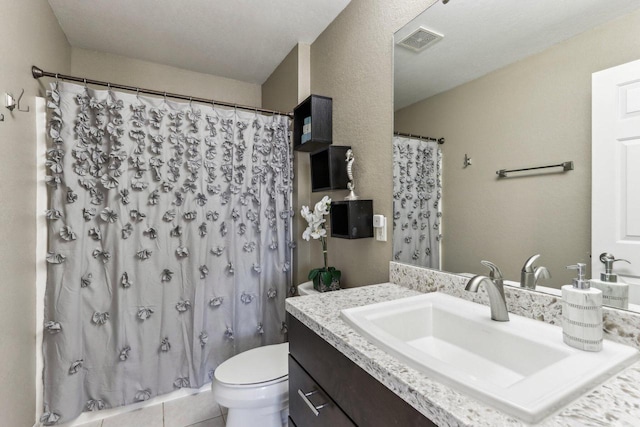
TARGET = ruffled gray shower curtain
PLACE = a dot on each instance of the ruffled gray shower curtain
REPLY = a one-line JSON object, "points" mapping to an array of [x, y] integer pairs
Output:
{"points": [[169, 244], [417, 194]]}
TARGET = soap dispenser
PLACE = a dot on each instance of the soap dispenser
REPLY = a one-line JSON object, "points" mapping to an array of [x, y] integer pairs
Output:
{"points": [[614, 293], [582, 313]]}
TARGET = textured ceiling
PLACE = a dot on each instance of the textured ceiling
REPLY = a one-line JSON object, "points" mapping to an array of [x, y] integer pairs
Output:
{"points": [[483, 36], [239, 39]]}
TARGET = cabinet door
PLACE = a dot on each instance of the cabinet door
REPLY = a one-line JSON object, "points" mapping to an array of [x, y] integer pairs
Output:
{"points": [[365, 400], [309, 405]]}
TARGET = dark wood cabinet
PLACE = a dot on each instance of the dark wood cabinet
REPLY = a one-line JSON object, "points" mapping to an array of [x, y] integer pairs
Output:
{"points": [[353, 397], [309, 405], [329, 168], [318, 111], [352, 219]]}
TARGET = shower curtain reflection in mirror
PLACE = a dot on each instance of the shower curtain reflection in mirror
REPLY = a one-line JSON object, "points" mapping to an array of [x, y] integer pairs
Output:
{"points": [[417, 199]]}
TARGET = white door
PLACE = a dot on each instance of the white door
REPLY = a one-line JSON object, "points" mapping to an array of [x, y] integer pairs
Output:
{"points": [[615, 191]]}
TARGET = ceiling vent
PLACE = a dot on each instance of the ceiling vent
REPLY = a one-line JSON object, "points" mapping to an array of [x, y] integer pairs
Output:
{"points": [[420, 39]]}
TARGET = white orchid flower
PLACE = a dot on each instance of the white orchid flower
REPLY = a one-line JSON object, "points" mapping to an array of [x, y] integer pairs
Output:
{"points": [[322, 207], [329, 276], [306, 214], [322, 232], [306, 234], [316, 220]]}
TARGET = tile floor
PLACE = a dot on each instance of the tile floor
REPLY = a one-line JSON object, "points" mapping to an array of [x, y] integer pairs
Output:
{"points": [[197, 410]]}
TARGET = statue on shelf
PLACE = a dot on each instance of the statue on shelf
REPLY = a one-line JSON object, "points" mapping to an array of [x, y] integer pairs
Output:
{"points": [[350, 185]]}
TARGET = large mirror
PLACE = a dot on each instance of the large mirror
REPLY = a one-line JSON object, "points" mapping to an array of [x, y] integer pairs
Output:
{"points": [[508, 86]]}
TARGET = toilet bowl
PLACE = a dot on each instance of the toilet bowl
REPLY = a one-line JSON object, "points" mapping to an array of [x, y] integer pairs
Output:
{"points": [[254, 386], [306, 288]]}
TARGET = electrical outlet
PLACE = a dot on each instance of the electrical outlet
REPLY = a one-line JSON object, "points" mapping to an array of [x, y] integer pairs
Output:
{"points": [[380, 226]]}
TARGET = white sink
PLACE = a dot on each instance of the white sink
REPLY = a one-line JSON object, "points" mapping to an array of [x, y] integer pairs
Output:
{"points": [[521, 367]]}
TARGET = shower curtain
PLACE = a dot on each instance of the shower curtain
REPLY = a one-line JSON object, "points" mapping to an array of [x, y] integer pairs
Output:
{"points": [[417, 194], [169, 228]]}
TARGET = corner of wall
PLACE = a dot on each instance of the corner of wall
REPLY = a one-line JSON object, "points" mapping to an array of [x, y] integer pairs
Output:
{"points": [[289, 84], [304, 71]]}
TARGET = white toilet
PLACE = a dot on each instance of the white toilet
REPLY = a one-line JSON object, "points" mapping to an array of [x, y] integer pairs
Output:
{"points": [[306, 288], [254, 386]]}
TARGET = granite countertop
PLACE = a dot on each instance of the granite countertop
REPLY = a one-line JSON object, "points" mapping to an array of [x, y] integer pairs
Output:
{"points": [[615, 402]]}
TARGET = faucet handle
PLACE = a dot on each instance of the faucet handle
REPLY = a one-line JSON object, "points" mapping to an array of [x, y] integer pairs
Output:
{"points": [[495, 270], [541, 272], [528, 264]]}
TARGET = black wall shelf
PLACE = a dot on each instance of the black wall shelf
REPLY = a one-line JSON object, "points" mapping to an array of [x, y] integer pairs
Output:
{"points": [[329, 168], [319, 108], [352, 219]]}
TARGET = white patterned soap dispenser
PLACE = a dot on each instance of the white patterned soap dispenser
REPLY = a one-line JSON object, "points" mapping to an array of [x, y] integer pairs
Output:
{"points": [[582, 313]]}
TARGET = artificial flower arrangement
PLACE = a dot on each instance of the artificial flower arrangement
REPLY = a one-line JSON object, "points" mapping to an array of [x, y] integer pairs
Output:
{"points": [[325, 278]]}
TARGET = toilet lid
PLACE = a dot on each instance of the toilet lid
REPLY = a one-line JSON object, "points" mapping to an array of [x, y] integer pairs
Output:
{"points": [[259, 365]]}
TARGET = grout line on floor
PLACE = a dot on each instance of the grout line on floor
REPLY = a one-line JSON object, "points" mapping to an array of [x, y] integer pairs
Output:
{"points": [[224, 419], [208, 419]]}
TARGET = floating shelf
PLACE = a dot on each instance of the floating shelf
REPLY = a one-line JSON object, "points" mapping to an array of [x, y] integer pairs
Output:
{"points": [[319, 109], [329, 168], [352, 219]]}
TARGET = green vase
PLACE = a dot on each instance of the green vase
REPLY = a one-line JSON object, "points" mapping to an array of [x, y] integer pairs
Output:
{"points": [[320, 277]]}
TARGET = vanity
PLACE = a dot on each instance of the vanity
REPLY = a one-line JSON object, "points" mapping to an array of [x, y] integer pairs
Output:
{"points": [[326, 387], [353, 382]]}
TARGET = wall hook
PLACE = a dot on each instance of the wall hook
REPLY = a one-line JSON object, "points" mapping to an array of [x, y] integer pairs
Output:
{"points": [[12, 103], [1, 117], [467, 161]]}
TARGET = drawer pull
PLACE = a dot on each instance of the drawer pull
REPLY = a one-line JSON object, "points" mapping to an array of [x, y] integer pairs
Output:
{"points": [[305, 398]]}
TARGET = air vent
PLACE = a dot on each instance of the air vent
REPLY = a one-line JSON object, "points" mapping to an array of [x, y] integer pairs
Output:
{"points": [[420, 39]]}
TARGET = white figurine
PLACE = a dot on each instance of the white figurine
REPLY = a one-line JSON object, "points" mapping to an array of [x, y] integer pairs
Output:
{"points": [[350, 185]]}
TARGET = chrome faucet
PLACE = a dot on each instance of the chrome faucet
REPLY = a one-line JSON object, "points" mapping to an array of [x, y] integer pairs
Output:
{"points": [[495, 289], [530, 275]]}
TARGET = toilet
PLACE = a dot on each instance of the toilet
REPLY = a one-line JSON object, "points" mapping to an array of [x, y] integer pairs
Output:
{"points": [[254, 386], [306, 288]]}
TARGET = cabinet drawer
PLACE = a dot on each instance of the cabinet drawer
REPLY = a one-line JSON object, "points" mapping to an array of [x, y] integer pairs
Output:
{"points": [[365, 400], [309, 405]]}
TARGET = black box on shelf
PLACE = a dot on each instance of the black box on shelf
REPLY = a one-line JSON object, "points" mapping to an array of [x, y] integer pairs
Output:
{"points": [[352, 219], [329, 168], [317, 111]]}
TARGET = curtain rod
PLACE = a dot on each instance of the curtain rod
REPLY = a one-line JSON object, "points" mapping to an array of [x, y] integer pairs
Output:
{"points": [[38, 73], [426, 138]]}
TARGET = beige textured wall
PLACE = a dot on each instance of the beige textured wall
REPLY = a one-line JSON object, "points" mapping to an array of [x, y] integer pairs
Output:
{"points": [[30, 36], [280, 90], [534, 112], [352, 62], [135, 72]]}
